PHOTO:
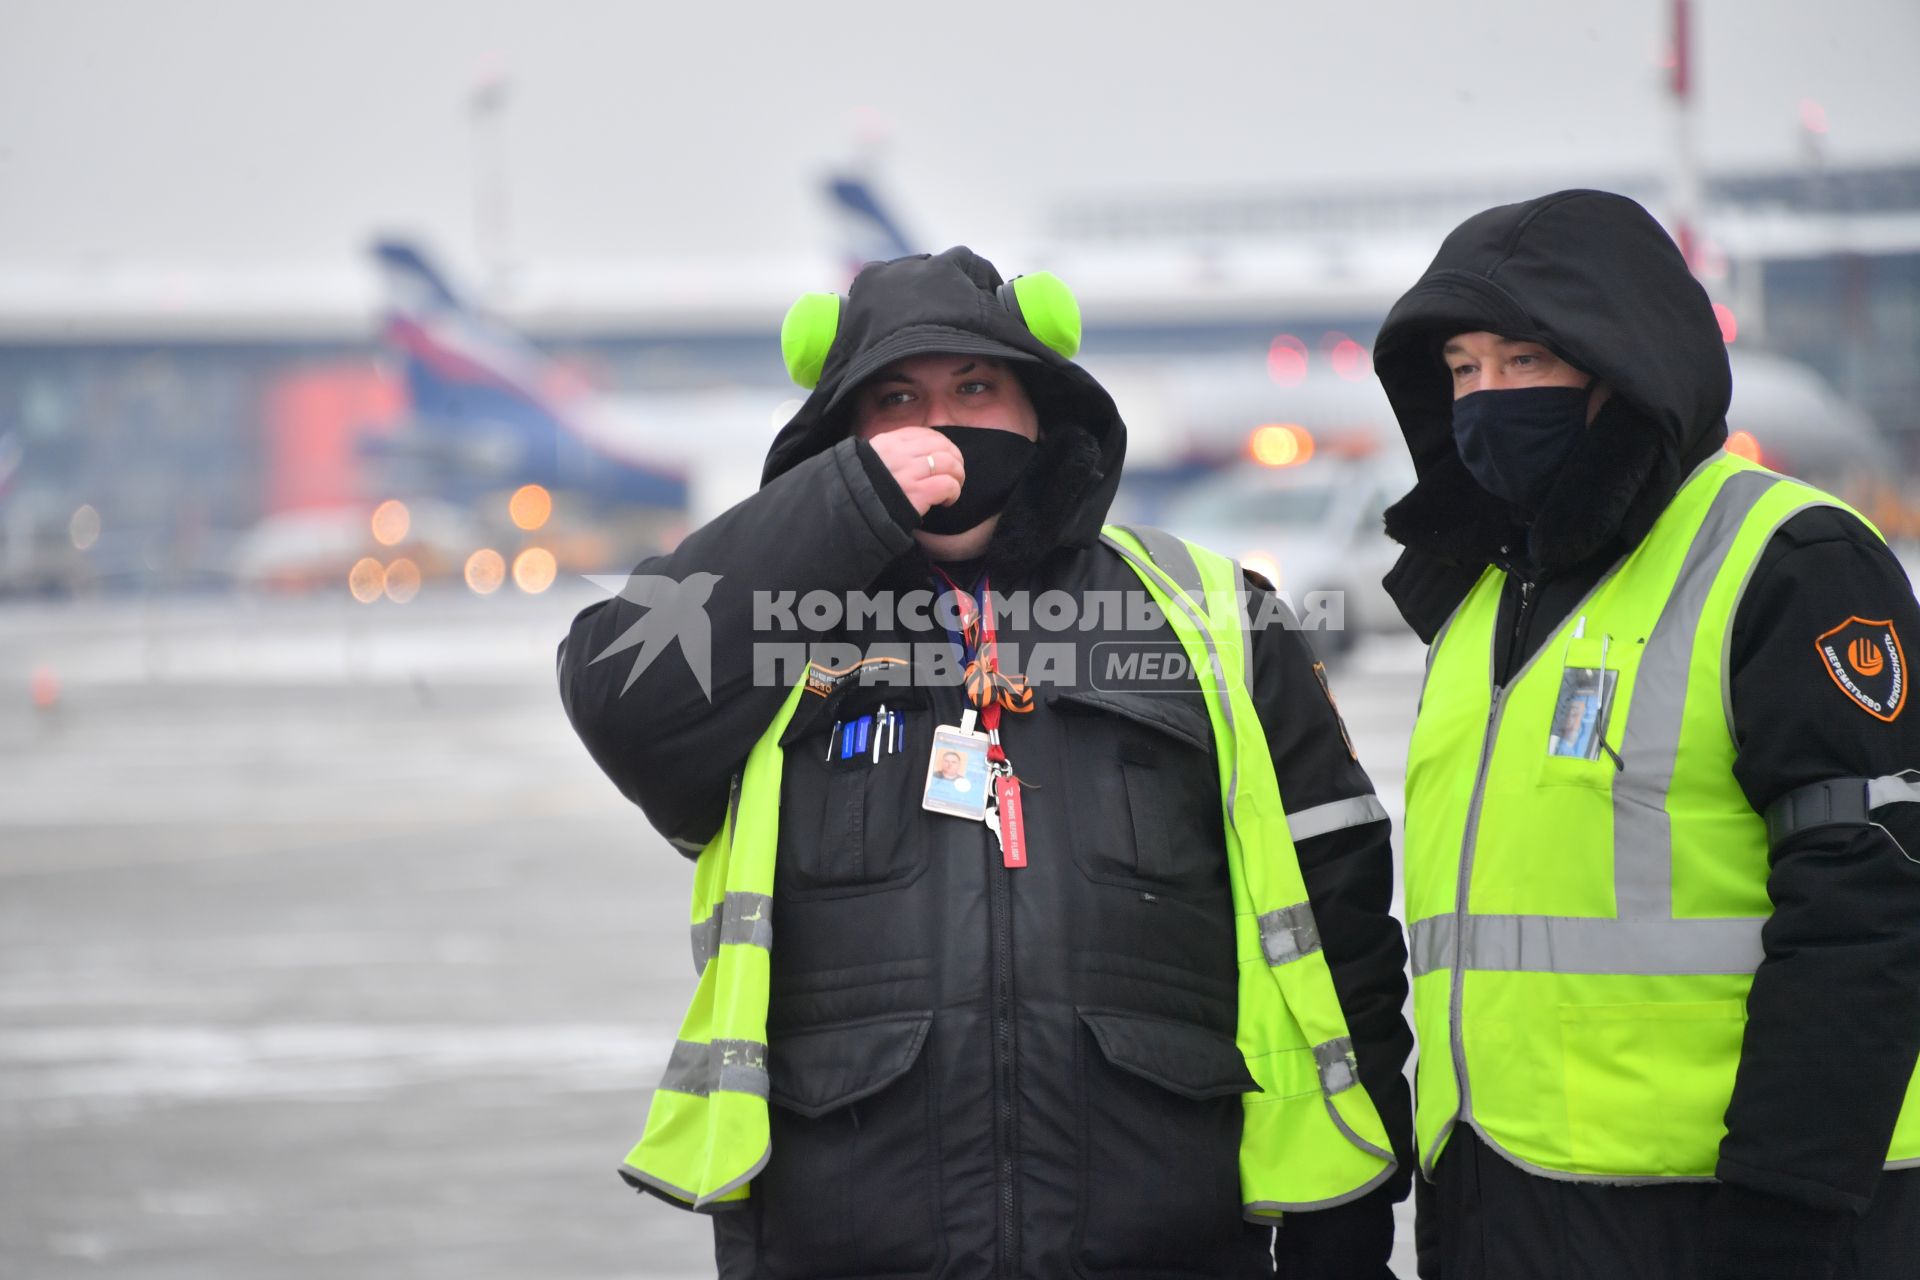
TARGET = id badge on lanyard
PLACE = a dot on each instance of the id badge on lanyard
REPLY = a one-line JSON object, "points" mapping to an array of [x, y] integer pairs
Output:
{"points": [[968, 774]]}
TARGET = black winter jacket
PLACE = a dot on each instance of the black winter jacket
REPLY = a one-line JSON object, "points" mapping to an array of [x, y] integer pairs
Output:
{"points": [[979, 1071], [1594, 278]]}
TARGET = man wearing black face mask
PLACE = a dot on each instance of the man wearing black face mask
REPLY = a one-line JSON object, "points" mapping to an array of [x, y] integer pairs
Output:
{"points": [[1661, 871], [1518, 412], [1050, 1044]]}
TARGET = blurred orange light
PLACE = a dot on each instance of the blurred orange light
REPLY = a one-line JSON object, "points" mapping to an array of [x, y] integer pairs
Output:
{"points": [[1263, 564], [1287, 360], [367, 579], [486, 570], [530, 506], [534, 570], [403, 580], [1741, 444], [390, 522], [1280, 444], [1729, 327]]}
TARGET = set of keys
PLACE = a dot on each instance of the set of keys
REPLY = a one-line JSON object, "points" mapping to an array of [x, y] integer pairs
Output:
{"points": [[1004, 816]]}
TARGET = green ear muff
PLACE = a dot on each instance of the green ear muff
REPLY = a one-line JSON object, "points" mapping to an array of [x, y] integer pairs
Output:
{"points": [[1048, 309], [1041, 300], [807, 333]]}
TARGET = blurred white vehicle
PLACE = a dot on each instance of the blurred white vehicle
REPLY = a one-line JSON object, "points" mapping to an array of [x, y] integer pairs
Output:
{"points": [[1314, 525]]}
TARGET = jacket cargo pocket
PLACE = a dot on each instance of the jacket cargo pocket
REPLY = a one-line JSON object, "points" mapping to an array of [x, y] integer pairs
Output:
{"points": [[1160, 1147], [850, 1187], [847, 826], [1145, 791]]}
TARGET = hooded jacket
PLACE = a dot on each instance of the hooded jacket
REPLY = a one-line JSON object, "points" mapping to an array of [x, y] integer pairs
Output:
{"points": [[1593, 277], [978, 1071]]}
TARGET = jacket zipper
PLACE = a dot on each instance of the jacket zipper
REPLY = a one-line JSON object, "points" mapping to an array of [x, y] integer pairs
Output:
{"points": [[1006, 1118], [1005, 1044], [1519, 632], [1001, 1029], [1455, 1001]]}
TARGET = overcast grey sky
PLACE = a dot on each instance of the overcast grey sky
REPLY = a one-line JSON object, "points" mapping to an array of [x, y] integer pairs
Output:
{"points": [[200, 132]]}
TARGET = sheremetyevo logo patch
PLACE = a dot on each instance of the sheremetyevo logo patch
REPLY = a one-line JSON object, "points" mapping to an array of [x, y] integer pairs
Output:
{"points": [[1865, 659]]}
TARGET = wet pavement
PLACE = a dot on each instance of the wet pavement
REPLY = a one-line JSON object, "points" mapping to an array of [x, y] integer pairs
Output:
{"points": [[326, 952]]}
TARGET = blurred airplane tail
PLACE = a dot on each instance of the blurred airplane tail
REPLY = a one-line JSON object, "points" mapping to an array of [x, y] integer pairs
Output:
{"points": [[451, 353], [866, 230], [469, 376]]}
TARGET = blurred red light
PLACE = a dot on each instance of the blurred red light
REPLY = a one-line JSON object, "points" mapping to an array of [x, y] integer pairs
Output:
{"points": [[1729, 327], [1287, 360], [1813, 116], [1350, 360]]}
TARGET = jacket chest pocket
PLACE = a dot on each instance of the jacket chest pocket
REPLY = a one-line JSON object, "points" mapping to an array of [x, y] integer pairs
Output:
{"points": [[849, 802], [1581, 747], [1144, 790]]}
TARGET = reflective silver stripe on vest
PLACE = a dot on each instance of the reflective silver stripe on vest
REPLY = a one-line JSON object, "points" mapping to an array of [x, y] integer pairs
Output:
{"points": [[1288, 934], [740, 917], [732, 1066], [1214, 664], [1572, 944], [1337, 815], [1171, 555], [1245, 598], [1642, 830], [1339, 1069]]}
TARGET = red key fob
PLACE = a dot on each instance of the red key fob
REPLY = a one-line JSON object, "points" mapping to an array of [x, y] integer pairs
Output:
{"points": [[1013, 826]]}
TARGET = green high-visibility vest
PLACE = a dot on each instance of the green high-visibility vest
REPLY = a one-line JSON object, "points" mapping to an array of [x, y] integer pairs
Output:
{"points": [[1585, 932], [1310, 1137]]}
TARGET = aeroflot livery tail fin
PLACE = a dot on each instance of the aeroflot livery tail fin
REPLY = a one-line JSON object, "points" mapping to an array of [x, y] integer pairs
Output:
{"points": [[866, 230], [473, 380]]}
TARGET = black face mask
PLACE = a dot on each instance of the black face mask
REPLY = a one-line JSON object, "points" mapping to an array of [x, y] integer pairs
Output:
{"points": [[1514, 442], [995, 462]]}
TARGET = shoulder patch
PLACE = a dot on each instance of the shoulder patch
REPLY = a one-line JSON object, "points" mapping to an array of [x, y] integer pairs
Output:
{"points": [[1864, 659]]}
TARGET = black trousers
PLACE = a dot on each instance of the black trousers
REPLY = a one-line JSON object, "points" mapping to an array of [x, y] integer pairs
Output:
{"points": [[1484, 1218]]}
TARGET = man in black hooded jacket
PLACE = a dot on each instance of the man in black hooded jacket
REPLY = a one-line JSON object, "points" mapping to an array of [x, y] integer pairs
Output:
{"points": [[1559, 376], [1067, 1100]]}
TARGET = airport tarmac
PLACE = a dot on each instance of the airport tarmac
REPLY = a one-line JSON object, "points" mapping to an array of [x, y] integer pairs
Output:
{"points": [[325, 951]]}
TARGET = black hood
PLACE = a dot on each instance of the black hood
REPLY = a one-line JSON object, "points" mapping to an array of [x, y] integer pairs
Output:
{"points": [[1591, 276], [946, 302]]}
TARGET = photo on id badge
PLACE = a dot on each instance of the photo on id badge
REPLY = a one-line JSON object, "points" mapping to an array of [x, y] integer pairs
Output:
{"points": [[1580, 712], [957, 774]]}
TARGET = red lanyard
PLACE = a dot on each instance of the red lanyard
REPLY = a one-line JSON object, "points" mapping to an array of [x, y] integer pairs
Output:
{"points": [[987, 688]]}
